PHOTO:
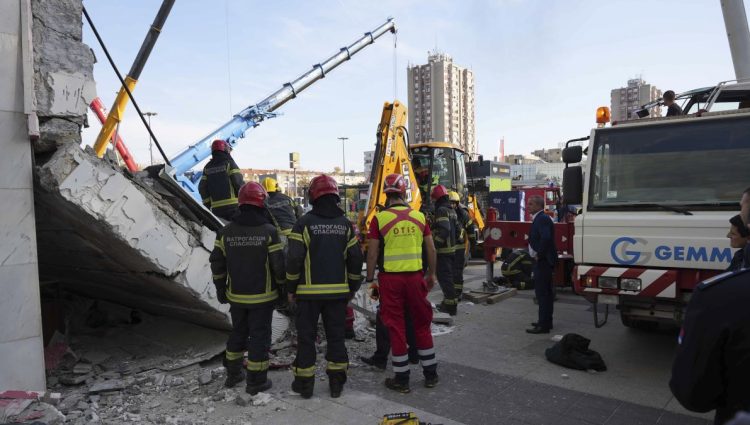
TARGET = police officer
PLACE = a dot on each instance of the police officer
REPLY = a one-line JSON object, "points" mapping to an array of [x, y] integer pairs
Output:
{"points": [[394, 244], [283, 209], [444, 231], [465, 230], [221, 181], [323, 273], [711, 369], [243, 252]]}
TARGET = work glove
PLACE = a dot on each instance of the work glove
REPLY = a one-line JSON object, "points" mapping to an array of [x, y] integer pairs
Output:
{"points": [[221, 295]]}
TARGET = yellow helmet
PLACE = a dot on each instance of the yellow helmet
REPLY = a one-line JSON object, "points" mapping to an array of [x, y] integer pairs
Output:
{"points": [[270, 185], [453, 196]]}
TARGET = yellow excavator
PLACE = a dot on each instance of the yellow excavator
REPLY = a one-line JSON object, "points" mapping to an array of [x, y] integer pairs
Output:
{"points": [[423, 165]]}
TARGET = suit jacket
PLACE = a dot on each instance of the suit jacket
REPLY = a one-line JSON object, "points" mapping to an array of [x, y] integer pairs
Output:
{"points": [[542, 239]]}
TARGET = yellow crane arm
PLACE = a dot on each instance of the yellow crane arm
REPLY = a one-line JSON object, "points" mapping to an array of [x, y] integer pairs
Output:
{"points": [[391, 156]]}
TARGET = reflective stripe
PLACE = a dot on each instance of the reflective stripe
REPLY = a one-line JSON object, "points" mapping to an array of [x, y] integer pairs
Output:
{"points": [[329, 288], [275, 247], [252, 299], [207, 202], [224, 202], [439, 219], [257, 366], [428, 362], [449, 301], [354, 276], [398, 369], [290, 276], [395, 257], [295, 236], [337, 366], [219, 243], [306, 372], [235, 171], [445, 251], [286, 232], [232, 355], [399, 359], [204, 177], [352, 242], [219, 276], [427, 352]]}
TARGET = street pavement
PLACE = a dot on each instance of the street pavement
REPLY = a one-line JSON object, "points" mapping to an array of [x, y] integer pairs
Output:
{"points": [[492, 372]]}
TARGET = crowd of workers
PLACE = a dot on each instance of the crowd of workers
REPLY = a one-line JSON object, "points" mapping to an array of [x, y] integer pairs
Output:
{"points": [[269, 254]]}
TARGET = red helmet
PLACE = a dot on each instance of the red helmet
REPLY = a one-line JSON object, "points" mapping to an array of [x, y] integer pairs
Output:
{"points": [[394, 183], [438, 192], [323, 185], [252, 194], [220, 145]]}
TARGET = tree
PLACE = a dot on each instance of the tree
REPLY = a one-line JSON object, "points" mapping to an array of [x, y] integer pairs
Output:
{"points": [[336, 170]]}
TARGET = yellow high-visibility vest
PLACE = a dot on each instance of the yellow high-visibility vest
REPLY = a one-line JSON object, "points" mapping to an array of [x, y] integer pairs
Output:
{"points": [[402, 231]]}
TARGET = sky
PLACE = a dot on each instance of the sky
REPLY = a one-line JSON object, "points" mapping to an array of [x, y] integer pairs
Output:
{"points": [[541, 67]]}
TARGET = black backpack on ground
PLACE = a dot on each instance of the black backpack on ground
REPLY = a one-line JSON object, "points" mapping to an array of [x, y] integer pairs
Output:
{"points": [[573, 352]]}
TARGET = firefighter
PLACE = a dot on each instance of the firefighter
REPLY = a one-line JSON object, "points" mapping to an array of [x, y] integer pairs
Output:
{"points": [[465, 230], [711, 370], [396, 238], [243, 253], [221, 181], [283, 209], [323, 273], [444, 230]]}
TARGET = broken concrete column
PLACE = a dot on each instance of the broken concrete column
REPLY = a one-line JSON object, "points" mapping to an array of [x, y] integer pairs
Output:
{"points": [[64, 69]]}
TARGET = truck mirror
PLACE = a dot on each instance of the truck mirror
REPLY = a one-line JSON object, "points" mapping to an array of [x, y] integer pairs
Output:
{"points": [[572, 154], [573, 184]]}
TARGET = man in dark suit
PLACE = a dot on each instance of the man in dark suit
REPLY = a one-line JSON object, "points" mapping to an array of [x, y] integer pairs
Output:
{"points": [[542, 248]]}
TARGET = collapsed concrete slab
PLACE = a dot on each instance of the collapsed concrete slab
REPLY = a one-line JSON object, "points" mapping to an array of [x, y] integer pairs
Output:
{"points": [[106, 235]]}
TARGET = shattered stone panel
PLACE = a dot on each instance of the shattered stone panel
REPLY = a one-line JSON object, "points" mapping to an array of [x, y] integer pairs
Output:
{"points": [[104, 235]]}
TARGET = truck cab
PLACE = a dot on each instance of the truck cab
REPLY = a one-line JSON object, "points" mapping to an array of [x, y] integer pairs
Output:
{"points": [[656, 196]]}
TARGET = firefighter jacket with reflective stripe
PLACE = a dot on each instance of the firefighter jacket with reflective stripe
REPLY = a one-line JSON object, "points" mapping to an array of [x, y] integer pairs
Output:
{"points": [[220, 183], [324, 259], [243, 261], [401, 231], [465, 227], [444, 228], [283, 210]]}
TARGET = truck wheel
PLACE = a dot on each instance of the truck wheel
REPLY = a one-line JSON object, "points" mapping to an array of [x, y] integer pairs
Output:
{"points": [[643, 325]]}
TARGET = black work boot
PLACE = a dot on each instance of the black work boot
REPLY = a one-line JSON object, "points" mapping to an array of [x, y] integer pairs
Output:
{"points": [[303, 386], [449, 308], [235, 374], [257, 382], [431, 379], [375, 361], [399, 383], [336, 382]]}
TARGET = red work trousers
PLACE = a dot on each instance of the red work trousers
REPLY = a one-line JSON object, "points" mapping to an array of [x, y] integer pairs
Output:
{"points": [[399, 291]]}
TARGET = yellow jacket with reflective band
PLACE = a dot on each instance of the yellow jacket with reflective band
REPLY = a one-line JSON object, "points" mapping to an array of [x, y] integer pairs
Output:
{"points": [[401, 232], [244, 259], [324, 258]]}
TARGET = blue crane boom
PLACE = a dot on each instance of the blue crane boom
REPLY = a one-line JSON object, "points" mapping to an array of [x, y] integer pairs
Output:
{"points": [[253, 115]]}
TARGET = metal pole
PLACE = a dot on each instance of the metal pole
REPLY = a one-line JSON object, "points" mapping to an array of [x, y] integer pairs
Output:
{"points": [[738, 35], [343, 157], [150, 139], [295, 183]]}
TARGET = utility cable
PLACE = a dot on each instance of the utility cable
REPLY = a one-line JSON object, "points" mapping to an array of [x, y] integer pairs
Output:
{"points": [[127, 90]]}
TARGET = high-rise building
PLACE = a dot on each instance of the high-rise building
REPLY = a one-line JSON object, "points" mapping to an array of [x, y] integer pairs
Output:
{"points": [[626, 100], [441, 103]]}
